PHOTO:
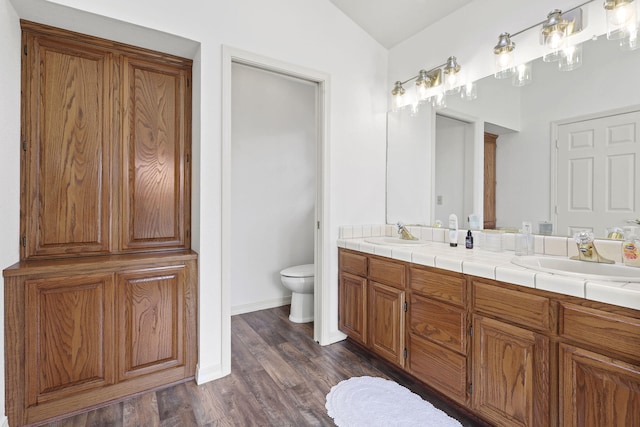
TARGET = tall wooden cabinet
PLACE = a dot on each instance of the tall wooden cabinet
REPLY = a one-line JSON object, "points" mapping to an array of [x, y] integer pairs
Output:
{"points": [[103, 302]]}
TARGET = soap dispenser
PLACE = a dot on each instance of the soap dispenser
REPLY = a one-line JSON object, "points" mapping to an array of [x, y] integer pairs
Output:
{"points": [[631, 247]]}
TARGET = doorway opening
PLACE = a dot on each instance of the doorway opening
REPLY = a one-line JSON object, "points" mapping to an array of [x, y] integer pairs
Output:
{"points": [[285, 149]]}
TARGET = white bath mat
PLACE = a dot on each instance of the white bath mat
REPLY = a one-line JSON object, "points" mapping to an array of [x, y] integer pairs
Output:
{"points": [[370, 401]]}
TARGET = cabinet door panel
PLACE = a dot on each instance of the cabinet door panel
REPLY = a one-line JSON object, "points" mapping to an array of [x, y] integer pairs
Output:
{"points": [[511, 376], [438, 367], [69, 336], [438, 322], [596, 390], [67, 129], [151, 324], [154, 185], [352, 309], [386, 322]]}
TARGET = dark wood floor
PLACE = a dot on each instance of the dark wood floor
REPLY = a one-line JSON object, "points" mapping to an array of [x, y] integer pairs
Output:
{"points": [[280, 377]]}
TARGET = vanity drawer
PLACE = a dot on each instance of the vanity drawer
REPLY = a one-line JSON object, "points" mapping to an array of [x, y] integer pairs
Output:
{"points": [[438, 322], [443, 287], [442, 369], [353, 263], [614, 332], [530, 311], [388, 272]]}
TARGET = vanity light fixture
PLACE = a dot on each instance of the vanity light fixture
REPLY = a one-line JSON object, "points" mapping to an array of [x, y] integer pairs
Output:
{"points": [[398, 96], [621, 19], [431, 85], [505, 57], [554, 34], [554, 30], [452, 75]]}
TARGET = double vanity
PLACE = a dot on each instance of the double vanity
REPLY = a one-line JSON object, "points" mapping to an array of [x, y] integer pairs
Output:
{"points": [[518, 341]]}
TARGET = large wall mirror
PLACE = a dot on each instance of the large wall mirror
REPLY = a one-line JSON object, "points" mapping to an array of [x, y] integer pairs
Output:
{"points": [[589, 178]]}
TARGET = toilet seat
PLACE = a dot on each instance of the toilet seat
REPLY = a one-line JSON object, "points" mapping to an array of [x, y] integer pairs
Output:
{"points": [[305, 270]]}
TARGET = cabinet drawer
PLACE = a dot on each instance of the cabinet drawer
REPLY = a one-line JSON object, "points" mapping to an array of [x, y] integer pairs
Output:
{"points": [[444, 287], [390, 273], [531, 311], [606, 330], [443, 369], [438, 322], [353, 263]]}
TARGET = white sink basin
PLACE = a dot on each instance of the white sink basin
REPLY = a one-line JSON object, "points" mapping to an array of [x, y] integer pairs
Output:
{"points": [[394, 241], [583, 269]]}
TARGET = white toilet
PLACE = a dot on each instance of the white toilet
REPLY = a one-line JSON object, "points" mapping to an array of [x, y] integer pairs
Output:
{"points": [[299, 280]]}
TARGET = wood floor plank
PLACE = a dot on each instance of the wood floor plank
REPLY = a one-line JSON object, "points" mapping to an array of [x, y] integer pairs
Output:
{"points": [[141, 410], [280, 377]]}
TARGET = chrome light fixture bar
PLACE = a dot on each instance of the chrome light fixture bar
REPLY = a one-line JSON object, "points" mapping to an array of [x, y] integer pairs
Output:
{"points": [[555, 30]]}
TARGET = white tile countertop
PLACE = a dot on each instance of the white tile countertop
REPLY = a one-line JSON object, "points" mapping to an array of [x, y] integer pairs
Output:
{"points": [[489, 264]]}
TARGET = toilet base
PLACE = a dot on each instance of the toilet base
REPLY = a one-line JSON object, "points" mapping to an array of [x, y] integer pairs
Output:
{"points": [[301, 308]]}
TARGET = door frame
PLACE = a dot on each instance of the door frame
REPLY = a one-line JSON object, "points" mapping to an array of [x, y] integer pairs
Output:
{"points": [[322, 238], [553, 179]]}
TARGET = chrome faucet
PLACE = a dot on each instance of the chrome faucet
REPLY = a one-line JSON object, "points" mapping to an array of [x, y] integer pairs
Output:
{"points": [[587, 249], [404, 233]]}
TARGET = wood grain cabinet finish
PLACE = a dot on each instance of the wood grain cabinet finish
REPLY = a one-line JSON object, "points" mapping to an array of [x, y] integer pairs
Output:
{"points": [[154, 178], [106, 152], [511, 375], [511, 355], [352, 306], [103, 303], [96, 329], [386, 322], [69, 335], [151, 320], [68, 133], [437, 318], [370, 312], [596, 390]]}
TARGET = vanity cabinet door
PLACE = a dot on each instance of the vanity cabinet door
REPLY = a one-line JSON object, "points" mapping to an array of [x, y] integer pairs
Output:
{"points": [[511, 377], [151, 322], [596, 390], [352, 309], [155, 163], [69, 336], [67, 130], [386, 322]]}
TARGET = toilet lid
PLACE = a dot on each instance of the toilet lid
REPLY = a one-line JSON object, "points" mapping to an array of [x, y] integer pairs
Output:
{"points": [[305, 270]]}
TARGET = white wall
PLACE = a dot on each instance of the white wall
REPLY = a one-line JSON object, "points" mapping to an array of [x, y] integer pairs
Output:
{"points": [[408, 190], [9, 154], [308, 33], [453, 174], [471, 32], [273, 183]]}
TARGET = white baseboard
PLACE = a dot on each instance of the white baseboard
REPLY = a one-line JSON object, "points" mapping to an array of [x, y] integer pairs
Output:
{"points": [[260, 305], [209, 373], [5, 421]]}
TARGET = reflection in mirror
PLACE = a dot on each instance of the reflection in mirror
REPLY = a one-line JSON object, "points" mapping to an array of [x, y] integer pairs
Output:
{"points": [[527, 119], [453, 169]]}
